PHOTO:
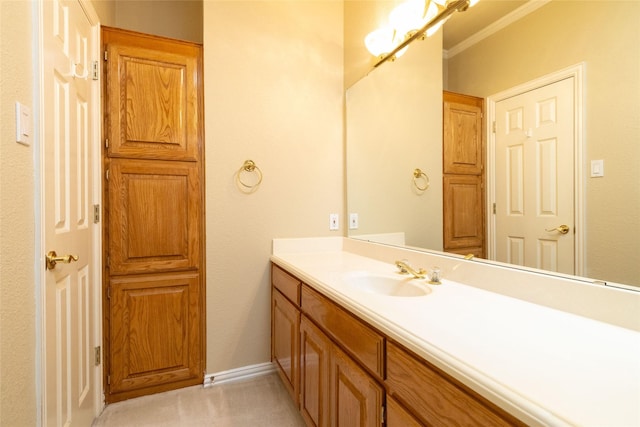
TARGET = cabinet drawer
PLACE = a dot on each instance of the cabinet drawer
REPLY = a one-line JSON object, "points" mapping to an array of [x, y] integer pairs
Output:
{"points": [[286, 283], [365, 344], [434, 397]]}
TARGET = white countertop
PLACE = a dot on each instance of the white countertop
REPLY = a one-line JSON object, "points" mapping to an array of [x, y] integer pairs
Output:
{"points": [[546, 366]]}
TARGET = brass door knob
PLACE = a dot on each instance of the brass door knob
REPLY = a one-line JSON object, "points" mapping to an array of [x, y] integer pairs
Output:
{"points": [[53, 259], [563, 229]]}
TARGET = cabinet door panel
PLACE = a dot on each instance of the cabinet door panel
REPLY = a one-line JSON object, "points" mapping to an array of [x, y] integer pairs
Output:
{"points": [[153, 99], [285, 344], [286, 283], [315, 357], [436, 399], [154, 216], [463, 144], [356, 398], [464, 212], [397, 416], [155, 331], [354, 335]]}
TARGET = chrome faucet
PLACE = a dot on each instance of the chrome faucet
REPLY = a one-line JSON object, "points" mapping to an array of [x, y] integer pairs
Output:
{"points": [[405, 268]]}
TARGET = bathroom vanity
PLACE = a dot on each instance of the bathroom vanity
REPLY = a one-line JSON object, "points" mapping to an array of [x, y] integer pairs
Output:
{"points": [[356, 343]]}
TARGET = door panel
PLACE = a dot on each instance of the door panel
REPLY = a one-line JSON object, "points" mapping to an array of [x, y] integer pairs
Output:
{"points": [[463, 126], [153, 191], [69, 291], [464, 225], [285, 341], [154, 102], [463, 177], [154, 216], [534, 178], [315, 359], [356, 399], [149, 349]]}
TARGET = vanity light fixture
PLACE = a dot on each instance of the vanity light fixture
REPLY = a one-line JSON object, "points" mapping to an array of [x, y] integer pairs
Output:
{"points": [[411, 20]]}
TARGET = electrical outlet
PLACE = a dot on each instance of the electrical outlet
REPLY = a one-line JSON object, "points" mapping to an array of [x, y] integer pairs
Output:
{"points": [[333, 222], [353, 221]]}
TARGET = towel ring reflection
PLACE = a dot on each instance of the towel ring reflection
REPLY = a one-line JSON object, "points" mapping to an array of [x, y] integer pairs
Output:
{"points": [[419, 175], [249, 167]]}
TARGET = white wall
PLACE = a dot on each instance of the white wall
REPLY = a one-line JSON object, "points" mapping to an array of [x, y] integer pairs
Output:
{"points": [[273, 94]]}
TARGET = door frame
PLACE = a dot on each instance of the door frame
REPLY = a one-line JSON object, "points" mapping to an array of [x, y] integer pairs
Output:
{"points": [[96, 164], [577, 72]]}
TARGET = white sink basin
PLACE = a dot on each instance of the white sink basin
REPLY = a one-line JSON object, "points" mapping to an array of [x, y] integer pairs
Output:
{"points": [[393, 286]]}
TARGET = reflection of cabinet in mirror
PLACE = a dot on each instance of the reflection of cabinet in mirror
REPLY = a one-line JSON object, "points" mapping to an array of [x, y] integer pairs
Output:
{"points": [[463, 175]]}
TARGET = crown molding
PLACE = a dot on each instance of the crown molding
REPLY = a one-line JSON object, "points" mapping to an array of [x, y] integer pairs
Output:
{"points": [[498, 25]]}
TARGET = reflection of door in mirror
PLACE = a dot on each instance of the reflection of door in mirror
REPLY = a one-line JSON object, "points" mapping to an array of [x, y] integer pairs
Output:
{"points": [[463, 175], [534, 178]]}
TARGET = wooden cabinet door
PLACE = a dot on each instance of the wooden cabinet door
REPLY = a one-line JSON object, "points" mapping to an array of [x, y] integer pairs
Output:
{"points": [[153, 102], [356, 398], [315, 359], [285, 344], [153, 304], [154, 216], [463, 142], [155, 331], [463, 177], [464, 207]]}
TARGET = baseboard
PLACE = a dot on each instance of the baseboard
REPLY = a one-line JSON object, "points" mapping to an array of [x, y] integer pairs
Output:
{"points": [[238, 374]]}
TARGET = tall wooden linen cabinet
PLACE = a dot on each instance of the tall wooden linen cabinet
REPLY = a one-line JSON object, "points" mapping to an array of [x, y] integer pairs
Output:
{"points": [[153, 225], [463, 175]]}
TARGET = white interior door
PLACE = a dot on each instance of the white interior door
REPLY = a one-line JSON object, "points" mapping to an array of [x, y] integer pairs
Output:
{"points": [[534, 178], [69, 316]]}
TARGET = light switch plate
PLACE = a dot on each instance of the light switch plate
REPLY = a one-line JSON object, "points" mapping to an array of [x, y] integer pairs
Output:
{"points": [[597, 168], [333, 221], [23, 124]]}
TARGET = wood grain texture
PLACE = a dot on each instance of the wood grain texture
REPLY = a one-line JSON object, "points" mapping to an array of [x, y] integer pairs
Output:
{"points": [[463, 209], [464, 149], [285, 344], [153, 232], [155, 330], [356, 398], [397, 416], [155, 216], [434, 397], [365, 344], [286, 283], [153, 97], [315, 364]]}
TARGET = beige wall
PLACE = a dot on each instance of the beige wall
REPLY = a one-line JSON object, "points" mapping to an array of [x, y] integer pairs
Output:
{"points": [[605, 35], [178, 19], [386, 143], [273, 94], [17, 227]]}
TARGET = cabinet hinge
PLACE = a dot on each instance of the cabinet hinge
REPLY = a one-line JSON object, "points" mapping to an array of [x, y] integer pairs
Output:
{"points": [[106, 143], [95, 70], [109, 379], [383, 415], [109, 292], [106, 174], [494, 208], [97, 357], [105, 55], [96, 214]]}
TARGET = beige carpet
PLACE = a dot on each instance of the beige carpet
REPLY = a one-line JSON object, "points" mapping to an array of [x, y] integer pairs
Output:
{"points": [[261, 401]]}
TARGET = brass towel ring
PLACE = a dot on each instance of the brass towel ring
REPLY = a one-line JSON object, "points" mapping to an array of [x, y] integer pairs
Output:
{"points": [[248, 167], [417, 175]]}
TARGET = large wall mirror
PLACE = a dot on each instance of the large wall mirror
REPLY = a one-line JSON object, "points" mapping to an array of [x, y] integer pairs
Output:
{"points": [[394, 120]]}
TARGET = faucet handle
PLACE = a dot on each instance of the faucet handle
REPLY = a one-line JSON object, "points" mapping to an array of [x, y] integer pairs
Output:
{"points": [[402, 266]]}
